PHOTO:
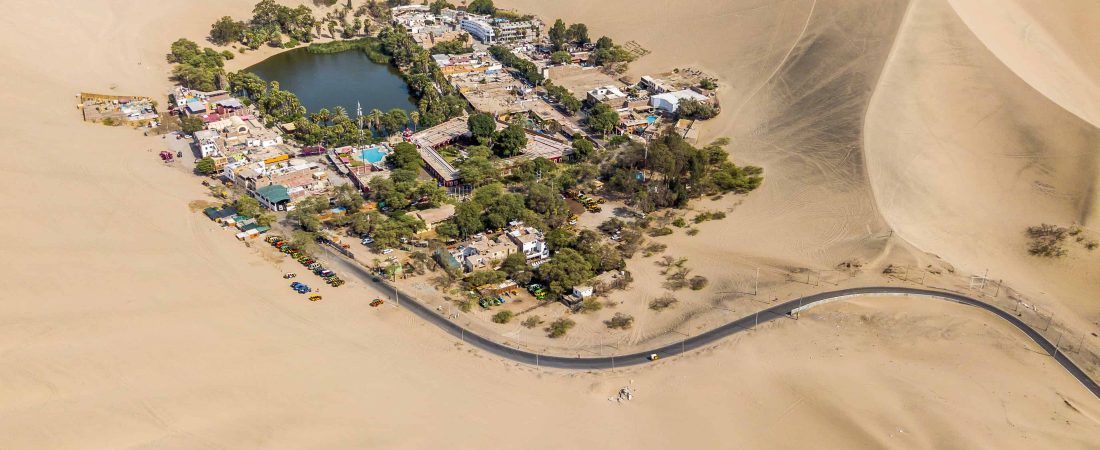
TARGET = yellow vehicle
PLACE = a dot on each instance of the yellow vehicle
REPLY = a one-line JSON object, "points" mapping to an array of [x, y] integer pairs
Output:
{"points": [[654, 357], [314, 298]]}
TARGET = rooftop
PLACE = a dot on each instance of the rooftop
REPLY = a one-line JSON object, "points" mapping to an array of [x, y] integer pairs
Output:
{"points": [[436, 215], [274, 193]]}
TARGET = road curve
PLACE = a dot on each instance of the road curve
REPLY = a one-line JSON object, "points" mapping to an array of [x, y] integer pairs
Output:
{"points": [[779, 311]]}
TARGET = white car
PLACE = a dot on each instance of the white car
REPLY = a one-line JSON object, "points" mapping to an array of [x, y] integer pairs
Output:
{"points": [[368, 241], [387, 251]]}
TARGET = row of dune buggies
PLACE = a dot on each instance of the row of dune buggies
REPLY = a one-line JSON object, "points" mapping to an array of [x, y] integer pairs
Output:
{"points": [[310, 263]]}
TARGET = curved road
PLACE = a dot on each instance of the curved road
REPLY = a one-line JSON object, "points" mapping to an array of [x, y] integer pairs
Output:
{"points": [[782, 310]]}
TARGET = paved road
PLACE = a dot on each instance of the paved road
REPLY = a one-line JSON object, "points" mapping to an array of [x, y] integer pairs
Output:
{"points": [[779, 311]]}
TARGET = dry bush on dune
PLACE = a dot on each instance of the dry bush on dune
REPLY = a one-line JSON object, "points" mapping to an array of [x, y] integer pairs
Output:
{"points": [[620, 321], [663, 302], [1047, 240]]}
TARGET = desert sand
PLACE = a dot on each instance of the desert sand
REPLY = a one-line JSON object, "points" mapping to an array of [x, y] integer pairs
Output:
{"points": [[130, 321]]}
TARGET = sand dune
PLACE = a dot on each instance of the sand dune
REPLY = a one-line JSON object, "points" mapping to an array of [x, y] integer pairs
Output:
{"points": [[964, 154], [129, 321]]}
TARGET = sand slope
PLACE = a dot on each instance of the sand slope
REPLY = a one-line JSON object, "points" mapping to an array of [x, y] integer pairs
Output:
{"points": [[964, 154]]}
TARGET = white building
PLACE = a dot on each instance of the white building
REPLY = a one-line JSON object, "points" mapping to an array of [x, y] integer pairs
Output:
{"points": [[670, 101], [525, 31], [606, 94], [207, 141], [479, 29], [530, 242]]}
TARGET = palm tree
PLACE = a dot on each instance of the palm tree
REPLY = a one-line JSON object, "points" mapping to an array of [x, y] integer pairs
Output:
{"points": [[415, 117], [340, 112], [375, 118], [324, 115]]}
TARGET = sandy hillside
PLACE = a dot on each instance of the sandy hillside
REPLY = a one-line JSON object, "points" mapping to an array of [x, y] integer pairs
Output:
{"points": [[982, 123], [977, 132], [129, 321], [795, 80]]}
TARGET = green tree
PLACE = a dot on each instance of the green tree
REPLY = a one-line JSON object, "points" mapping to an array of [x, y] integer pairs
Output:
{"points": [[482, 7], [511, 141], [477, 170], [248, 206], [438, 6], [405, 156], [485, 277], [226, 30], [557, 35], [602, 119], [349, 197], [696, 110], [560, 57], [468, 218], [567, 269], [191, 124], [582, 148], [578, 33], [206, 166], [481, 126]]}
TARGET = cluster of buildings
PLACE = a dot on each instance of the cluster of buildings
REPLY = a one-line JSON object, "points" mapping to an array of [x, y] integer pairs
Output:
{"points": [[429, 28], [486, 253], [246, 152], [470, 63]]}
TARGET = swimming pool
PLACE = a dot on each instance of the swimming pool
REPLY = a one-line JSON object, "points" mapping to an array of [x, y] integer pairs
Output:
{"points": [[373, 155], [651, 119]]}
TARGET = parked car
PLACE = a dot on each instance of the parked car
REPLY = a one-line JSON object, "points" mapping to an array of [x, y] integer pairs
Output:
{"points": [[387, 251], [377, 302], [289, 275]]}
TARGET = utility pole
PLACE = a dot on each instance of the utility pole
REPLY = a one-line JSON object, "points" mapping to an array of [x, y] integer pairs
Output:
{"points": [[756, 283], [1056, 345], [359, 113], [756, 320], [682, 341]]}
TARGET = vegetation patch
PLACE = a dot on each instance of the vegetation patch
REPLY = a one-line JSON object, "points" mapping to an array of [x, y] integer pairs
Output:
{"points": [[532, 322], [589, 305], [620, 321], [663, 302], [1047, 240], [503, 317], [560, 327]]}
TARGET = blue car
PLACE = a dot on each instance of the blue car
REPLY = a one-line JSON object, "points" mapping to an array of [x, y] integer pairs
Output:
{"points": [[300, 288]]}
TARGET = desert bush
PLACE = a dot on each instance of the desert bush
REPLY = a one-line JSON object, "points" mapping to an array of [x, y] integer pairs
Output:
{"points": [[663, 302], [1047, 240], [560, 327], [653, 249], [589, 305], [705, 216], [465, 305], [532, 322], [693, 232], [503, 316], [620, 321], [697, 282], [679, 222], [663, 231]]}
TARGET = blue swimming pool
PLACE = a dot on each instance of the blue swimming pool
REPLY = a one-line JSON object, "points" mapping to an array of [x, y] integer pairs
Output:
{"points": [[651, 119], [373, 155]]}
